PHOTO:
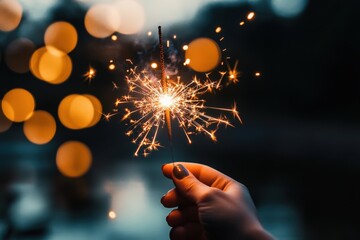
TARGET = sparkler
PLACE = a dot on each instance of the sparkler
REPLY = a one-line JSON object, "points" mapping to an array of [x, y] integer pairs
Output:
{"points": [[155, 103], [90, 74]]}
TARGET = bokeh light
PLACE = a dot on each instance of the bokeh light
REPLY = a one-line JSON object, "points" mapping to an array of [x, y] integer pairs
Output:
{"points": [[132, 16], [204, 54], [102, 20], [112, 214], [40, 128], [73, 159], [52, 66], [10, 15], [250, 16], [76, 112], [18, 105], [5, 123], [18, 54], [55, 68], [97, 109], [62, 36], [288, 8]]}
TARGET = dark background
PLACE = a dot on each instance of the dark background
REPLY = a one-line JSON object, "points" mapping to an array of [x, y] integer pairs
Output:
{"points": [[298, 150]]}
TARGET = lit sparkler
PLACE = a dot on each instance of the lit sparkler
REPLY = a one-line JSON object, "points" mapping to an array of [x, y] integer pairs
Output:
{"points": [[149, 105], [90, 74], [153, 104]]}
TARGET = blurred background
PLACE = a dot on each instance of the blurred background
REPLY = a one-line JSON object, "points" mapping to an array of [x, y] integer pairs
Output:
{"points": [[67, 169]]}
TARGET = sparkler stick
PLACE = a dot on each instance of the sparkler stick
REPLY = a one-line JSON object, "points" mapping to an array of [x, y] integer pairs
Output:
{"points": [[164, 87]]}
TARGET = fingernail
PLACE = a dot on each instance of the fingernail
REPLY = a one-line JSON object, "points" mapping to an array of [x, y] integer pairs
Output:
{"points": [[180, 171]]}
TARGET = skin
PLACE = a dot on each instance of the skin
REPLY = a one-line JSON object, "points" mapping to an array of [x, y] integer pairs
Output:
{"points": [[209, 205]]}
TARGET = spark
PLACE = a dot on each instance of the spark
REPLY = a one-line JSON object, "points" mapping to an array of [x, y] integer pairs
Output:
{"points": [[148, 102], [241, 23], [149, 33], [154, 65], [250, 16], [218, 30], [257, 74], [115, 86], [108, 116], [114, 37], [233, 73], [90, 74], [185, 47]]}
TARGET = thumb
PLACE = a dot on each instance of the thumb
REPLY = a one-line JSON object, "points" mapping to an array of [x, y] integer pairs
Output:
{"points": [[187, 184]]}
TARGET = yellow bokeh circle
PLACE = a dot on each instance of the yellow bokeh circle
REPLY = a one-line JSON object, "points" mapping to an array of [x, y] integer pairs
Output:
{"points": [[10, 15], [203, 54], [132, 16], [97, 109], [73, 159], [76, 111], [18, 105], [51, 65], [62, 36], [102, 20], [40, 128]]}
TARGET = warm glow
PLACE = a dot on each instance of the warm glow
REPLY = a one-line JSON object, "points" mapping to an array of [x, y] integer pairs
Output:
{"points": [[112, 66], [187, 61], [112, 214], [76, 111], [132, 16], [149, 108], [49, 66], [257, 74], [242, 23], [40, 128], [73, 159], [102, 20], [154, 65], [174, 36], [62, 36], [5, 123], [185, 47], [218, 29], [166, 101], [90, 74], [97, 109], [55, 68], [250, 16], [18, 105], [18, 54], [10, 15], [204, 54], [149, 33], [114, 37]]}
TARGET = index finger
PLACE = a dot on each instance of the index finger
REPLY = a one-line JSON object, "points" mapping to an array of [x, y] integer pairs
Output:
{"points": [[203, 173]]}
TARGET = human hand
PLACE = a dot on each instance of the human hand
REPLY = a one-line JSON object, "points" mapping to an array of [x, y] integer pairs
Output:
{"points": [[210, 205]]}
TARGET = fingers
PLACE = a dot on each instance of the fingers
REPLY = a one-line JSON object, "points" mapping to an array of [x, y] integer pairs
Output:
{"points": [[189, 231], [173, 199], [181, 216], [205, 174], [187, 185]]}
